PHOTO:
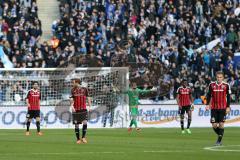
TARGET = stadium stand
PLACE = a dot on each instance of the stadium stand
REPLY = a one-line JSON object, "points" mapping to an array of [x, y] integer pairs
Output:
{"points": [[175, 35]]}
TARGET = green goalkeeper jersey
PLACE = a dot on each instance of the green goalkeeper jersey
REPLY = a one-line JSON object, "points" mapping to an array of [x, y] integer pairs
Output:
{"points": [[134, 96]]}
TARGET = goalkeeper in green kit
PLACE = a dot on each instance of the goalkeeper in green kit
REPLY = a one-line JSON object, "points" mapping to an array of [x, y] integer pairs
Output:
{"points": [[133, 94]]}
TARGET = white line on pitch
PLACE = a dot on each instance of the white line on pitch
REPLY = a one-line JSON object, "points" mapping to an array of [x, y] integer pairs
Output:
{"points": [[167, 151], [77, 153], [62, 153], [222, 148]]}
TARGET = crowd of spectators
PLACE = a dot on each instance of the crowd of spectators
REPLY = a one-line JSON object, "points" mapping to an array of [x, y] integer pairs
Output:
{"points": [[20, 31], [161, 34], [165, 33]]}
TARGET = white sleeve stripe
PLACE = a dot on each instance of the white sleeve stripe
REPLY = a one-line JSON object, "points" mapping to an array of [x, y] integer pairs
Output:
{"points": [[229, 89], [210, 84], [178, 89]]}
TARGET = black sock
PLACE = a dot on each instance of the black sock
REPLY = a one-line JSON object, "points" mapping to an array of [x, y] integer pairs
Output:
{"points": [[220, 134], [77, 133], [38, 126], [28, 126], [216, 130], [84, 130], [182, 124], [189, 122]]}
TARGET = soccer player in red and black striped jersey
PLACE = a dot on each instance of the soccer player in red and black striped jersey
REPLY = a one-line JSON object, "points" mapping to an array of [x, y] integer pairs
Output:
{"points": [[218, 100], [79, 99], [185, 100], [33, 102]]}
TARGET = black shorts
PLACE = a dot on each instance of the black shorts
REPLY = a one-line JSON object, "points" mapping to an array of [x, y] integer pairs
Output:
{"points": [[218, 115], [79, 116], [185, 109], [33, 114]]}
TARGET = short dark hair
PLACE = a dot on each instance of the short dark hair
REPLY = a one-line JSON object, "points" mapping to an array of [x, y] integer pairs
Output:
{"points": [[34, 82], [133, 83], [184, 80]]}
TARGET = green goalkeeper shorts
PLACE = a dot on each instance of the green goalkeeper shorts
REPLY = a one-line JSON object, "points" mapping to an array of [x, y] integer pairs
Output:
{"points": [[134, 111]]}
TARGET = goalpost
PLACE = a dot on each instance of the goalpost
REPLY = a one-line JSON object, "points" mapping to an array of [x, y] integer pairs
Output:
{"points": [[105, 86]]}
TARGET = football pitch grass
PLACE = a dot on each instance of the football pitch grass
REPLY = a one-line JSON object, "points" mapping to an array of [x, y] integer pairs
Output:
{"points": [[117, 144]]}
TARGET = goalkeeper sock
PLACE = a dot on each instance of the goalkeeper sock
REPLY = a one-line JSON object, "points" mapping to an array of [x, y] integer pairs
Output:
{"points": [[28, 126], [135, 123], [84, 130], [216, 130], [38, 126], [77, 133], [131, 123]]}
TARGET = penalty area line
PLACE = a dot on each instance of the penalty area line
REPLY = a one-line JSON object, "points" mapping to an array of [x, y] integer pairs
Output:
{"points": [[223, 148]]}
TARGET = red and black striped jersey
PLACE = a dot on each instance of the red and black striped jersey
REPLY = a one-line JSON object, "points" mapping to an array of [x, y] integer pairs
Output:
{"points": [[34, 97], [218, 95], [79, 95], [184, 96]]}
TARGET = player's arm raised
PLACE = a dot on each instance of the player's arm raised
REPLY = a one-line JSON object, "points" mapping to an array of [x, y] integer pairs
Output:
{"points": [[144, 91]]}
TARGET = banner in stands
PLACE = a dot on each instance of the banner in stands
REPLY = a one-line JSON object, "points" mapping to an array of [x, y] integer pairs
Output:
{"points": [[161, 116], [15, 118], [210, 45], [167, 116]]}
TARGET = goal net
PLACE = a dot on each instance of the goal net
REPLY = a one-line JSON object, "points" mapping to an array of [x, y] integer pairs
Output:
{"points": [[104, 84]]}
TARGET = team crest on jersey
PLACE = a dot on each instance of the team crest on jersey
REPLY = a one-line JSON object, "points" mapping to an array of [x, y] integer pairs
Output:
{"points": [[223, 87]]}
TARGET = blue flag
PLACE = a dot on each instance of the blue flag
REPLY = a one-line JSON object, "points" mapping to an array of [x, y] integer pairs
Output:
{"points": [[4, 58]]}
